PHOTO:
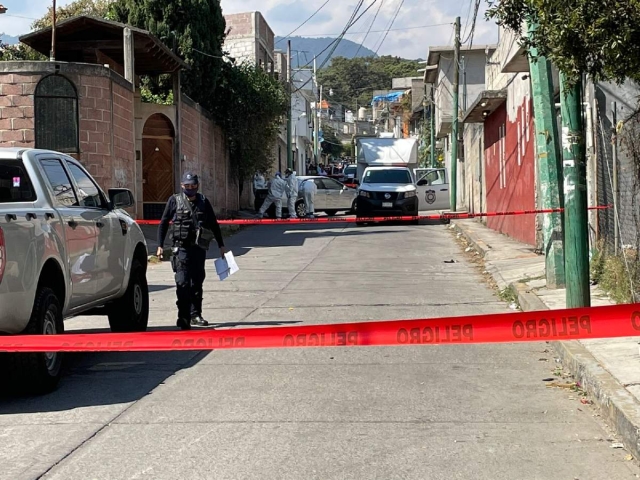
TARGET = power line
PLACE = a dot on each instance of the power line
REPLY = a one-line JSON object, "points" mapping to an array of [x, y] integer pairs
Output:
{"points": [[370, 27], [473, 26], [349, 24], [380, 31], [467, 21], [392, 22], [303, 23], [328, 57]]}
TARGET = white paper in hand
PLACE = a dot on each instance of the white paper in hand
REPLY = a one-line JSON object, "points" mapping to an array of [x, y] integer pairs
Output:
{"points": [[226, 266]]}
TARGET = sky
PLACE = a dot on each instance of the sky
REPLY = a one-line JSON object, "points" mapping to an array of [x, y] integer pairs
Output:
{"points": [[285, 15]]}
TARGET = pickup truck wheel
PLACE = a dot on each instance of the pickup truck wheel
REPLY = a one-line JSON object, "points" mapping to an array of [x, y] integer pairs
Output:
{"points": [[131, 312], [38, 373]]}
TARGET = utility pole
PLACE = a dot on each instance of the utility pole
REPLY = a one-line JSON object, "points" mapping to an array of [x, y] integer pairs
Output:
{"points": [[614, 149], [320, 120], [454, 129], [289, 111], [576, 219], [548, 163], [52, 54], [433, 127], [315, 114]]}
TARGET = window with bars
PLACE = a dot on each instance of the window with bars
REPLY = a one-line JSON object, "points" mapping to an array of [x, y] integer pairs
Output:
{"points": [[56, 115]]}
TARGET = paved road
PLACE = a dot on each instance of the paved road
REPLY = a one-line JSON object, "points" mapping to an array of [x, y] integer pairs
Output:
{"points": [[436, 412]]}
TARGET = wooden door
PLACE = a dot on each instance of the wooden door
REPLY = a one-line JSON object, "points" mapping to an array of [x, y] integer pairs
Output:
{"points": [[157, 169]]}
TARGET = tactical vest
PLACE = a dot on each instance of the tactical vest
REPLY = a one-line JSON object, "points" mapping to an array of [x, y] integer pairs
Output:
{"points": [[184, 223]]}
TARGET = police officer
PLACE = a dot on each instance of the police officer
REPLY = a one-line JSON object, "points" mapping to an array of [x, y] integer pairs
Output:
{"points": [[189, 211]]}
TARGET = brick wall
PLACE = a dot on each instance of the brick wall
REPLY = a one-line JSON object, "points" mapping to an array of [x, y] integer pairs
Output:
{"points": [[123, 167], [241, 24], [95, 128], [16, 110], [204, 145]]}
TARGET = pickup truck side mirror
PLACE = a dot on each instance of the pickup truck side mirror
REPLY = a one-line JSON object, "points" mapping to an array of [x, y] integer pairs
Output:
{"points": [[121, 198]]}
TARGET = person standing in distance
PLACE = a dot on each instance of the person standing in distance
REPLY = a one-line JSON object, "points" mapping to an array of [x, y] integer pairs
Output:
{"points": [[292, 191], [309, 189], [190, 211], [276, 190]]}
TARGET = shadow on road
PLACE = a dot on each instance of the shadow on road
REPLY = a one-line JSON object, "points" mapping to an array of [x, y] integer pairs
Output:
{"points": [[101, 379], [290, 236]]}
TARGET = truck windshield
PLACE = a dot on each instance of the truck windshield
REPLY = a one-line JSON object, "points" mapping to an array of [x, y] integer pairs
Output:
{"points": [[388, 176], [15, 185]]}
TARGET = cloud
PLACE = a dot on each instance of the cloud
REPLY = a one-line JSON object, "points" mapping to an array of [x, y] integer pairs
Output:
{"points": [[284, 15]]}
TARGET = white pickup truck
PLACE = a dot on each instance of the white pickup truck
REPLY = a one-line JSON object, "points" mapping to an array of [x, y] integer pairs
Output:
{"points": [[393, 191], [65, 249]]}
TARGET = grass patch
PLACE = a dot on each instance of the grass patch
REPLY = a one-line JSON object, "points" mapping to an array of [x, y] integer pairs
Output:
{"points": [[507, 295], [611, 274]]}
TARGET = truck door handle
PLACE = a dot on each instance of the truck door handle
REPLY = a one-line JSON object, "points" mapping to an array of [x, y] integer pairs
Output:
{"points": [[10, 216], [72, 223], [99, 224], [30, 216], [444, 190], [49, 215]]}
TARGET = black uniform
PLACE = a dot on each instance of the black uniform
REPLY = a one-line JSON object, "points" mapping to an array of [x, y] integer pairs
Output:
{"points": [[188, 258]]}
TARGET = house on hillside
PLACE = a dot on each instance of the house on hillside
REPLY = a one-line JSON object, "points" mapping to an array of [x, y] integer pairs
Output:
{"points": [[87, 104]]}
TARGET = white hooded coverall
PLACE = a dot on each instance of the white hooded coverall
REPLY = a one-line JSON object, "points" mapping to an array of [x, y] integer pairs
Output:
{"points": [[292, 192], [309, 190], [276, 190]]}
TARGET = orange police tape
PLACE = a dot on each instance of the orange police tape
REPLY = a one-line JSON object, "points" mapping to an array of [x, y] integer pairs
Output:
{"points": [[352, 219], [596, 322]]}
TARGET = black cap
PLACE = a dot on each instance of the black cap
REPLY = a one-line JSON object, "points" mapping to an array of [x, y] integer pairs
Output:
{"points": [[189, 178]]}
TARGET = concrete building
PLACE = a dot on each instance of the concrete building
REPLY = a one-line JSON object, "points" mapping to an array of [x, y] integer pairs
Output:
{"points": [[87, 104], [249, 38], [440, 72]]}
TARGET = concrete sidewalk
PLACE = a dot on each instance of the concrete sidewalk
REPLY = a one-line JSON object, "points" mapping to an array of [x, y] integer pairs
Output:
{"points": [[608, 370]]}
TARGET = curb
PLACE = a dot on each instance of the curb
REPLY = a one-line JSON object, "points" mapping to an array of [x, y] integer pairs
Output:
{"points": [[617, 406], [479, 246]]}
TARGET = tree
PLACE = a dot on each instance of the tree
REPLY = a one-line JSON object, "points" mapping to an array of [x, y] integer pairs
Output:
{"points": [[193, 28], [94, 8], [331, 145], [18, 52], [354, 80], [599, 38], [250, 105]]}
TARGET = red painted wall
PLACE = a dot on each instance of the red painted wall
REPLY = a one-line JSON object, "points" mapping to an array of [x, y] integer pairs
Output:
{"points": [[509, 171]]}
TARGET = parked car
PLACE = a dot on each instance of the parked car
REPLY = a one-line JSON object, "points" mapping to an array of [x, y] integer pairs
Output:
{"points": [[65, 249], [332, 197], [387, 191]]}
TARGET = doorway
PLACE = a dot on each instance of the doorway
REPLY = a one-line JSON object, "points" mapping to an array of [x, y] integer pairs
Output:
{"points": [[157, 165]]}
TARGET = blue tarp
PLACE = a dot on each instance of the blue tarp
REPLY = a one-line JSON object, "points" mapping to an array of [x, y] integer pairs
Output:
{"points": [[389, 97]]}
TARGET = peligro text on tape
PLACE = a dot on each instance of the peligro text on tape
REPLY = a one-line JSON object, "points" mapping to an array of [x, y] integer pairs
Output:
{"points": [[573, 324], [352, 219]]}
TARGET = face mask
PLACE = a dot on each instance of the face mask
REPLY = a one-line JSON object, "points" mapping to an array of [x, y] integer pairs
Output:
{"points": [[190, 192]]}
